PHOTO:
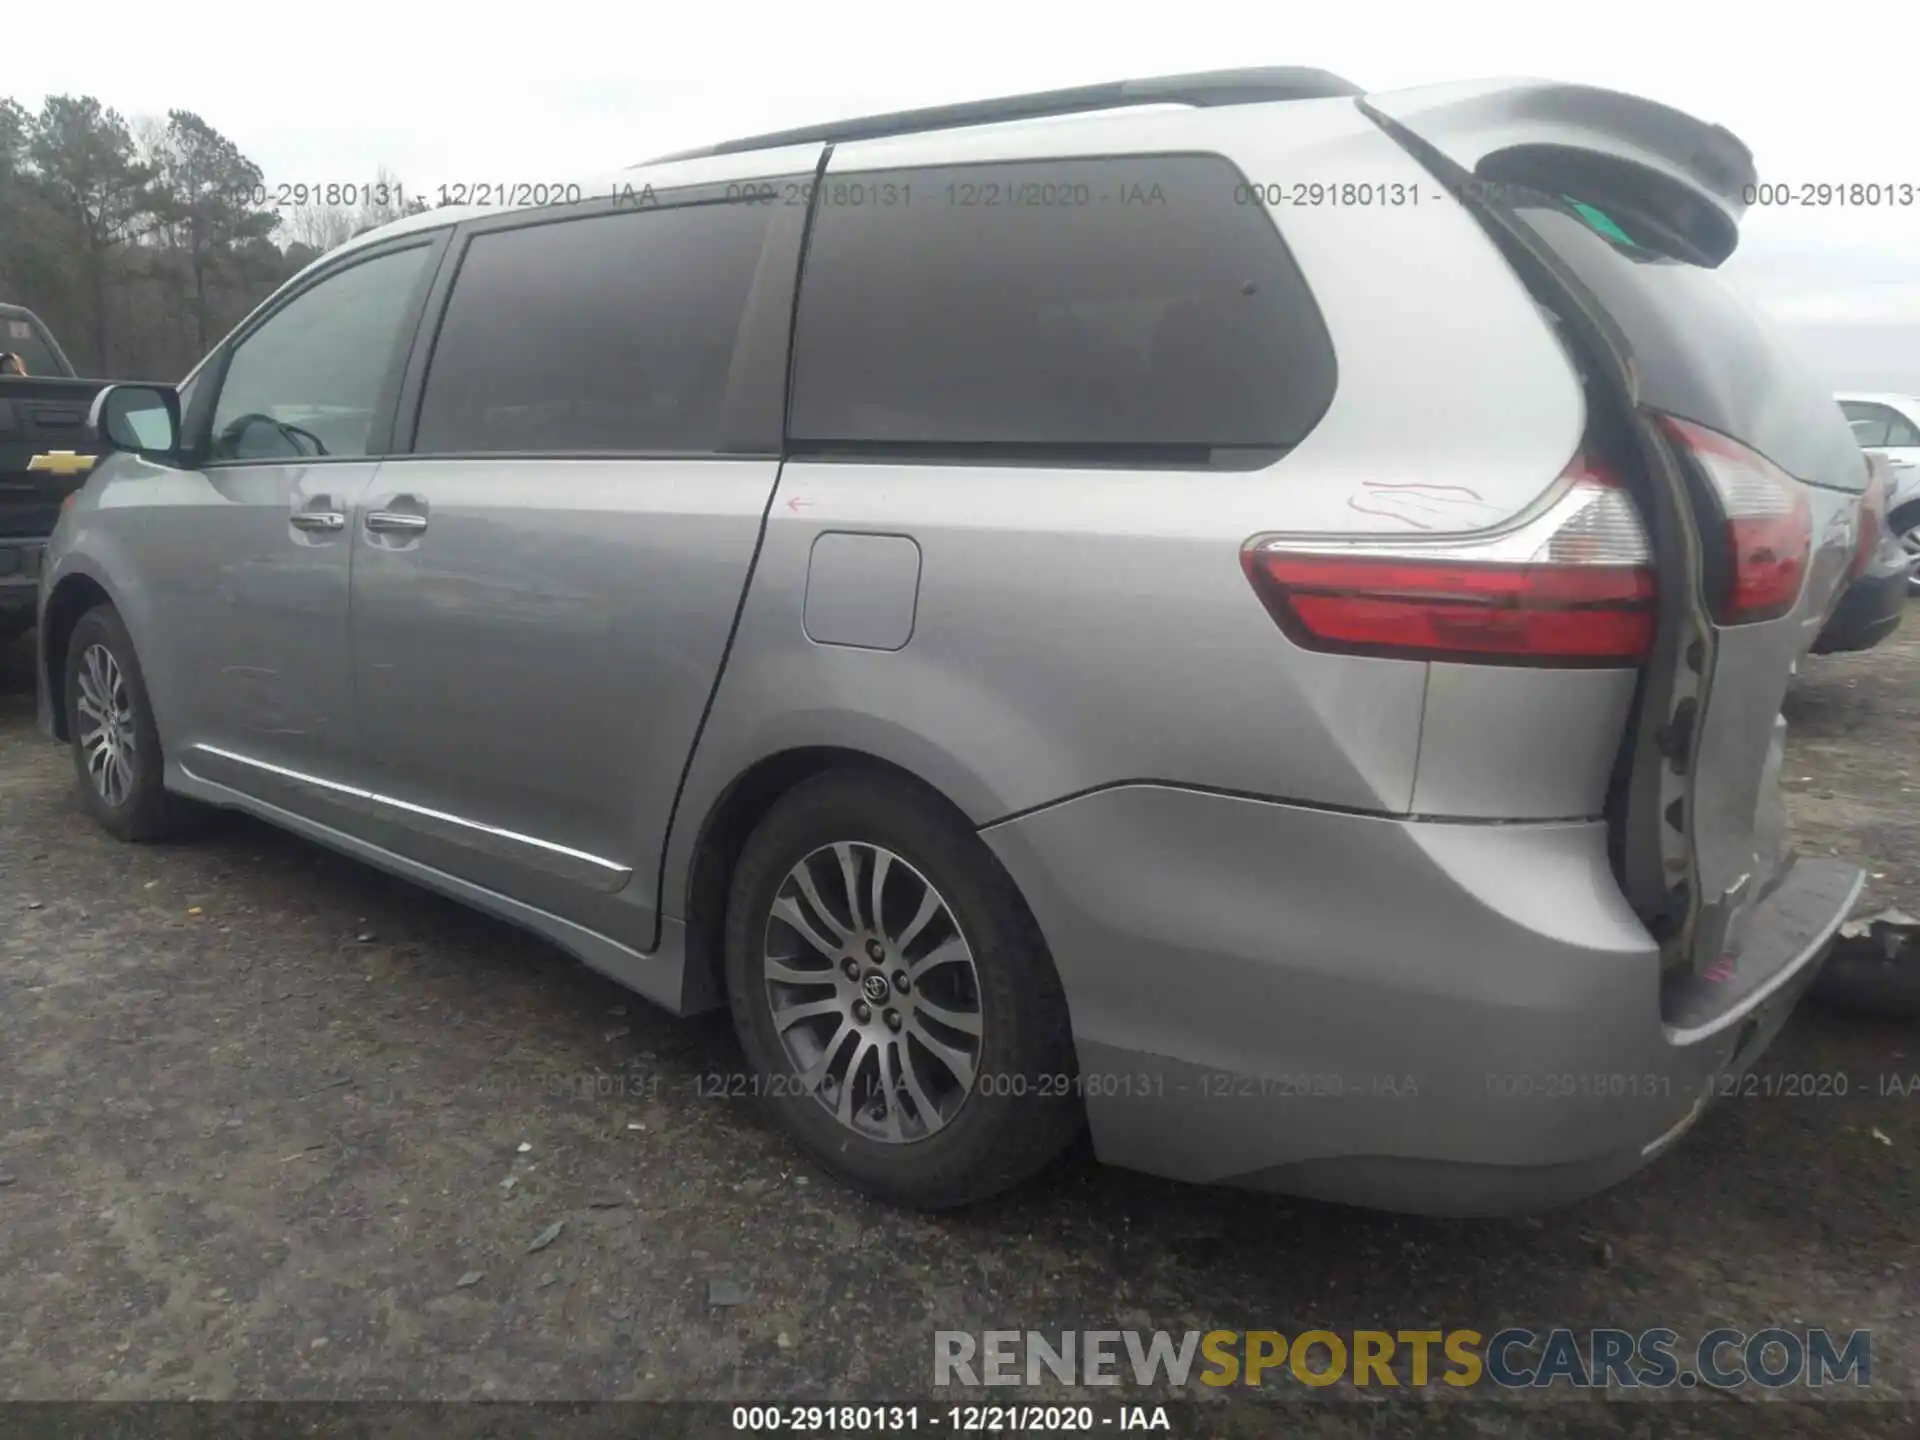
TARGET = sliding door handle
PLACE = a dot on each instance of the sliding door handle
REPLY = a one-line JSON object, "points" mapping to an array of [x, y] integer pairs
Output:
{"points": [[395, 522]]}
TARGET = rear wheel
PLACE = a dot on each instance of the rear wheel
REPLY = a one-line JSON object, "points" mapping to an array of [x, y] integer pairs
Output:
{"points": [[116, 748], [894, 999]]}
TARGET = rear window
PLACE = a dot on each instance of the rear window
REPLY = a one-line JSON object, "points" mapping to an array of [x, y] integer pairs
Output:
{"points": [[20, 336], [1704, 351], [1877, 427], [1107, 309]]}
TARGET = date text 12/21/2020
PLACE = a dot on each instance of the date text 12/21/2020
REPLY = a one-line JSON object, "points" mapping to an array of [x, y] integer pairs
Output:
{"points": [[398, 199]]}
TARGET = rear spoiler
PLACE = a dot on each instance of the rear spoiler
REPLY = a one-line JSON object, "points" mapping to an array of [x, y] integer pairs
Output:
{"points": [[1682, 178]]}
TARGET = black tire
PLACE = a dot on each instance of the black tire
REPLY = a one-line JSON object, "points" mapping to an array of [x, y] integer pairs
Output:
{"points": [[145, 812], [1859, 977], [1900, 522], [1023, 1107]]}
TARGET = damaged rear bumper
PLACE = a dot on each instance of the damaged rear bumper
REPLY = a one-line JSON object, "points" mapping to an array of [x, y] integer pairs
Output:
{"points": [[1421, 1016]]}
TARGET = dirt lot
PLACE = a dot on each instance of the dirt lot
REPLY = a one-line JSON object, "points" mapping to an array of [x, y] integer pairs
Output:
{"points": [[262, 1109]]}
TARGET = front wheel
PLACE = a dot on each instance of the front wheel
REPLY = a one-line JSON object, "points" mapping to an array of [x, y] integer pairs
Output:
{"points": [[116, 747], [894, 999]]}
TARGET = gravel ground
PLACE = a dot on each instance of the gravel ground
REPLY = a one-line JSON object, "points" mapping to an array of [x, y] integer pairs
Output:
{"points": [[266, 1114]]}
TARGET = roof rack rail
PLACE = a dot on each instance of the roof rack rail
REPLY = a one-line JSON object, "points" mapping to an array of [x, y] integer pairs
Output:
{"points": [[1207, 87]]}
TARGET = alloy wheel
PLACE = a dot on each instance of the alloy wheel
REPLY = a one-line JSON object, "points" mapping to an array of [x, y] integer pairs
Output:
{"points": [[873, 992], [107, 736], [1910, 542]]}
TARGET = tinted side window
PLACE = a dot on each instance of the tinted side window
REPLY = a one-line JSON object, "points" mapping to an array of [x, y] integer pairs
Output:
{"points": [[1058, 306], [609, 333], [308, 381]]}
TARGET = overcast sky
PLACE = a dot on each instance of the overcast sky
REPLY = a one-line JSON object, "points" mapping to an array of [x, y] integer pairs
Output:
{"points": [[559, 90]]}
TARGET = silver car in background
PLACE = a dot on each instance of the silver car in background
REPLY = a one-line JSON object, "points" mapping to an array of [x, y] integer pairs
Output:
{"points": [[1235, 612], [1889, 426]]}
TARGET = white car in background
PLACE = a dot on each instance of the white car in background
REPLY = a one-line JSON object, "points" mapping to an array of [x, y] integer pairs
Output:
{"points": [[1889, 425]]}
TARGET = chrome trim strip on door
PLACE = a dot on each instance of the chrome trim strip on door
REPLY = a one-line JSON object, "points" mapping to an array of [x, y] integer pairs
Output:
{"points": [[610, 874], [295, 775], [514, 835]]}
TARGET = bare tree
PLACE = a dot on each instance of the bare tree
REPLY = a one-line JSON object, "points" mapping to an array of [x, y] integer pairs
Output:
{"points": [[321, 227], [142, 240], [386, 201]]}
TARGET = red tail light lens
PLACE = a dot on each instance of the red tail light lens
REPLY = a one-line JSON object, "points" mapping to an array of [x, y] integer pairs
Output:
{"points": [[1769, 525], [1575, 587]]}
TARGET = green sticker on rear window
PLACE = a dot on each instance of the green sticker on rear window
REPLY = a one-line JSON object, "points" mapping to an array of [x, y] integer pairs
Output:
{"points": [[1601, 221]]}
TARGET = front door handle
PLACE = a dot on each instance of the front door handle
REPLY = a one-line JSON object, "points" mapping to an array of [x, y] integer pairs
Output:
{"points": [[395, 522], [325, 522]]}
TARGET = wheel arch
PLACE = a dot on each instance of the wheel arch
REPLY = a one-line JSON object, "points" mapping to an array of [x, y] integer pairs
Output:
{"points": [[738, 809], [72, 596]]}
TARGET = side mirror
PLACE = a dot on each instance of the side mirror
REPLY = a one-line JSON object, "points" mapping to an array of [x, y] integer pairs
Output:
{"points": [[143, 419]]}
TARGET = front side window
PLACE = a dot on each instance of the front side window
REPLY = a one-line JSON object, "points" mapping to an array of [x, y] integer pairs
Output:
{"points": [[1079, 307], [307, 383], [611, 333]]}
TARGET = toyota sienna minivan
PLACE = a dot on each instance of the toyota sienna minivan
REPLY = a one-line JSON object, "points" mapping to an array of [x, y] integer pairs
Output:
{"points": [[1236, 612]]}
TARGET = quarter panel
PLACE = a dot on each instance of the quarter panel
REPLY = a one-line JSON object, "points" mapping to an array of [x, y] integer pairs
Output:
{"points": [[1507, 742], [1081, 628], [1075, 628]]}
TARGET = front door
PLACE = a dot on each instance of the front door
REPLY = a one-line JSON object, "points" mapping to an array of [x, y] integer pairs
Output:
{"points": [[250, 572]]}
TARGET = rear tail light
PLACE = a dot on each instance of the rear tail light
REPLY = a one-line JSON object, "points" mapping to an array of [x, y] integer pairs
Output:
{"points": [[1769, 525], [1573, 587]]}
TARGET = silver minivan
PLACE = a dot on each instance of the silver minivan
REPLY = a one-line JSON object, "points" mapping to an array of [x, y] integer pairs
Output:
{"points": [[1235, 612]]}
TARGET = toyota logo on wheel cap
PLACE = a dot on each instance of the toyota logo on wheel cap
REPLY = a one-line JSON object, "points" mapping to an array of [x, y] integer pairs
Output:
{"points": [[875, 987]]}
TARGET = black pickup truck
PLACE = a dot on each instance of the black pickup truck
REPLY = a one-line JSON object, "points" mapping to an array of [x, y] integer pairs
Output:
{"points": [[45, 454]]}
